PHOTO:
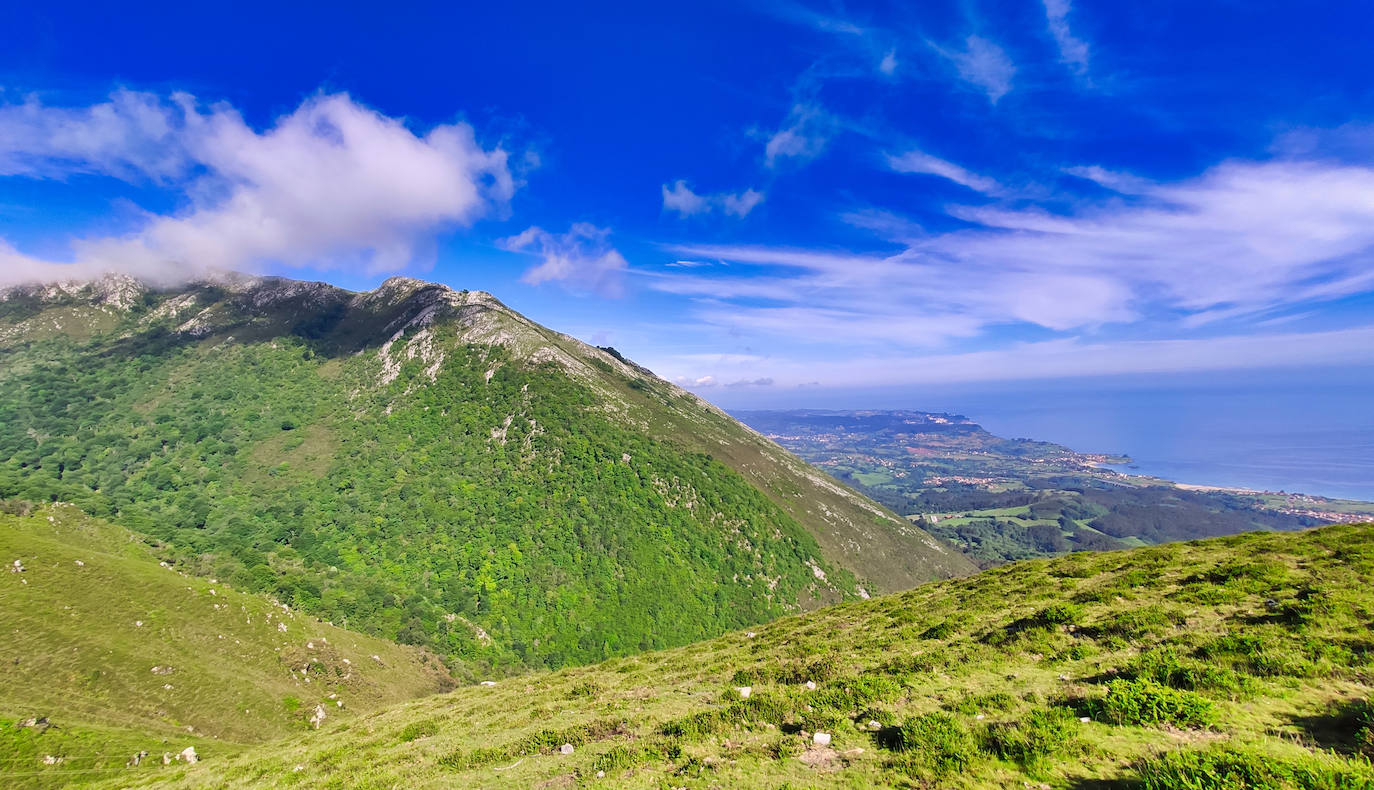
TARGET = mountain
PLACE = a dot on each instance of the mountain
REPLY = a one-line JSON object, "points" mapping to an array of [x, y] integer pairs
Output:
{"points": [[109, 652], [427, 465], [1003, 499], [1237, 662]]}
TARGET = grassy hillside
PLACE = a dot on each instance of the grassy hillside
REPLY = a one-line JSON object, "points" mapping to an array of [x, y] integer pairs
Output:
{"points": [[1239, 662], [428, 466], [121, 654]]}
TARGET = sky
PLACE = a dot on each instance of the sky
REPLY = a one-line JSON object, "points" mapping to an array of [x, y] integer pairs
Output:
{"points": [[767, 202]]}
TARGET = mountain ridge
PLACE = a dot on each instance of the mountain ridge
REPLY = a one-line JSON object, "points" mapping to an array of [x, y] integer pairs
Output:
{"points": [[352, 376]]}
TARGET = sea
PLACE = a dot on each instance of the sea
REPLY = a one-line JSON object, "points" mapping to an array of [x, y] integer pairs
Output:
{"points": [[1300, 431], [1311, 437]]}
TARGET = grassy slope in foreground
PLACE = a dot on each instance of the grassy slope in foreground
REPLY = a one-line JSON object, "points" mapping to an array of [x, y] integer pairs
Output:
{"points": [[123, 655], [1245, 656]]}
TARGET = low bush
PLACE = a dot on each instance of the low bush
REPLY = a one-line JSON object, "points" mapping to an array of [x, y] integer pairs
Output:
{"points": [[1166, 666], [1233, 768], [936, 740], [419, 729], [1039, 734], [1141, 701]]}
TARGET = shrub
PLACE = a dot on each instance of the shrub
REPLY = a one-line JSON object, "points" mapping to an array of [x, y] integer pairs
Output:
{"points": [[1166, 666], [1059, 614], [419, 729], [1143, 701], [587, 688], [938, 740], [1041, 733], [982, 703], [942, 630], [1232, 768], [1136, 623]]}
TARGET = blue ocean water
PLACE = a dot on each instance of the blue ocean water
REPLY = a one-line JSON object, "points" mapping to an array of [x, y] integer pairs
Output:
{"points": [[1307, 431], [1308, 436]]}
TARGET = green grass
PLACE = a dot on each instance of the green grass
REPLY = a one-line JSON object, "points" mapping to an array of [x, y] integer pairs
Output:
{"points": [[1262, 684], [123, 655]]}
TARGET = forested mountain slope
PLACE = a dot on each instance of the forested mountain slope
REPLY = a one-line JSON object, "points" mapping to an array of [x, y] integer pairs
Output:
{"points": [[427, 465], [108, 653], [1237, 662]]}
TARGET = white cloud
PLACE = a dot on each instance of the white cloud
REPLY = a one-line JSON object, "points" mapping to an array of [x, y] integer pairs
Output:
{"points": [[582, 259], [986, 65], [683, 200], [888, 65], [331, 184], [1125, 183], [1239, 243], [1063, 358], [920, 162], [1073, 51], [803, 136], [686, 203], [740, 205]]}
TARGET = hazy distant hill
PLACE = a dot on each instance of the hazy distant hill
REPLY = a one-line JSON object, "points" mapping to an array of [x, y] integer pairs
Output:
{"points": [[427, 465]]}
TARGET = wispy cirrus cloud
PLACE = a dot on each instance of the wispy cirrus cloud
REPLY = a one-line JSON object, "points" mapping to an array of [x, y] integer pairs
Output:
{"points": [[984, 65], [333, 183], [681, 199], [1073, 51], [1052, 359], [1239, 244], [915, 161], [802, 137]]}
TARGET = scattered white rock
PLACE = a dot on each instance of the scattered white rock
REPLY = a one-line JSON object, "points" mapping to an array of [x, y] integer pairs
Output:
{"points": [[600, 774], [166, 758], [189, 755], [17, 567], [51, 760], [980, 717], [745, 691], [212, 591], [750, 634], [1063, 677], [874, 725], [566, 748], [810, 685], [136, 759], [378, 659], [338, 703], [310, 645], [80, 564], [167, 686], [1085, 719], [488, 683], [298, 769], [138, 623], [318, 717], [821, 739], [346, 661], [281, 627]]}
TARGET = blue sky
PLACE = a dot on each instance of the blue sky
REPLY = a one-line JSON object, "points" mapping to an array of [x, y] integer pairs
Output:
{"points": [[763, 201]]}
